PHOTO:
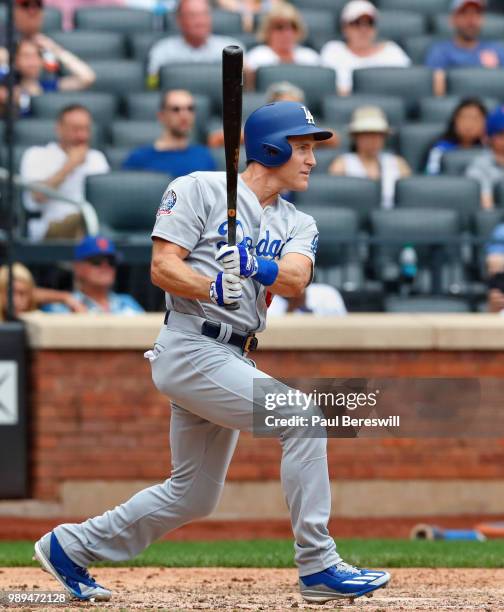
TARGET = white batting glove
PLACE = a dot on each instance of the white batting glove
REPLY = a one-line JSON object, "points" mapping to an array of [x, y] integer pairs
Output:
{"points": [[237, 260], [226, 289]]}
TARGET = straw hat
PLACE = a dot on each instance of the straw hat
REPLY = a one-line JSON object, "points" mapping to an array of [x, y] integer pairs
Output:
{"points": [[369, 119]]}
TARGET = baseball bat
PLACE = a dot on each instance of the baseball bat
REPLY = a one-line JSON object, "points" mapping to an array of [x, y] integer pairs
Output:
{"points": [[232, 91]]}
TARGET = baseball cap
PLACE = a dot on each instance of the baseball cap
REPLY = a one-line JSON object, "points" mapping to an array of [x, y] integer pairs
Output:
{"points": [[356, 9], [496, 243], [458, 5], [368, 119], [495, 121], [91, 246]]}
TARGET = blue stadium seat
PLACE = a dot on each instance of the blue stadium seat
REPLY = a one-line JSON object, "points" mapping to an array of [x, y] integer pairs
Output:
{"points": [[361, 195], [400, 25], [319, 23], [455, 163], [114, 19], [415, 141], [118, 76], [226, 23], [440, 192], [467, 81], [339, 109], [140, 43], [126, 202], [116, 156], [93, 45], [315, 81], [424, 7], [335, 6], [434, 237], [410, 84], [102, 106], [130, 133]]}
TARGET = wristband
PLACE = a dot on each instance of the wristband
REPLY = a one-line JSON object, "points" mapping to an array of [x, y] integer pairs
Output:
{"points": [[267, 271]]}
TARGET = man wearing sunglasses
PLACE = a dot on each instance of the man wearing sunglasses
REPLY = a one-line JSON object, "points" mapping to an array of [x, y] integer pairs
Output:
{"points": [[172, 153], [95, 263]]}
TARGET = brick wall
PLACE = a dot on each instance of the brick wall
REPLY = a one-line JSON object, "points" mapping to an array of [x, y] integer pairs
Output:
{"points": [[96, 416]]}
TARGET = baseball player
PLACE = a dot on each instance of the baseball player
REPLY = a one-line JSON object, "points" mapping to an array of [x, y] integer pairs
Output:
{"points": [[200, 360]]}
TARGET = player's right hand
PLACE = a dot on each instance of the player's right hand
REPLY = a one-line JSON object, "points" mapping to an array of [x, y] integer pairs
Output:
{"points": [[226, 289]]}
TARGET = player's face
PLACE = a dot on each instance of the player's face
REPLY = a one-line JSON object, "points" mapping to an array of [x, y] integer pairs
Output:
{"points": [[295, 174], [468, 22]]}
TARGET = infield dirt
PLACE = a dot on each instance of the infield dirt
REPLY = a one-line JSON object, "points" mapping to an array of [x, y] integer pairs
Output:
{"points": [[269, 589]]}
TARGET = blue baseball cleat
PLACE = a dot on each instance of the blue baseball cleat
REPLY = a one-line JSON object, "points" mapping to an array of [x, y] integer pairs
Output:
{"points": [[341, 581], [74, 578]]}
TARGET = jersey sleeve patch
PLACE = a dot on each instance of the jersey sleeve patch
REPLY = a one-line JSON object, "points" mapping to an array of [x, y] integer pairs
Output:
{"points": [[168, 201]]}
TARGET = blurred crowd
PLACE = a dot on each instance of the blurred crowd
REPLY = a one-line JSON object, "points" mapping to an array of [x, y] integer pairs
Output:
{"points": [[273, 33]]}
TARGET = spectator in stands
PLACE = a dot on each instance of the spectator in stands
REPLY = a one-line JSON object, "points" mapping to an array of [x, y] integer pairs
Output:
{"points": [[30, 80], [466, 129], [28, 22], [248, 9], [369, 129], [360, 49], [68, 7], [26, 296], [95, 263], [488, 168], [62, 166], [196, 43], [172, 152], [281, 31], [495, 270], [318, 299], [465, 49]]}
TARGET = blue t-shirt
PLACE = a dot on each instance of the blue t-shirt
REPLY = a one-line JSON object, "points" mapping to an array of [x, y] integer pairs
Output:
{"points": [[119, 303], [446, 54], [176, 163]]}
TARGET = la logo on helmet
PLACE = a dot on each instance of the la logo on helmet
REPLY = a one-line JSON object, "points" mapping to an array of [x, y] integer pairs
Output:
{"points": [[309, 116]]}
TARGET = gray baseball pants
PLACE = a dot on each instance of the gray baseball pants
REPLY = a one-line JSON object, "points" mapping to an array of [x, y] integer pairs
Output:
{"points": [[210, 384]]}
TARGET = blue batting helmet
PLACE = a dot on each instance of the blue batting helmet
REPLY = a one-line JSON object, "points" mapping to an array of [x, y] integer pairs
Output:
{"points": [[268, 127]]}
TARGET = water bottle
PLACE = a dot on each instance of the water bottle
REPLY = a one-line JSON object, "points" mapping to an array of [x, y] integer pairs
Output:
{"points": [[408, 262]]}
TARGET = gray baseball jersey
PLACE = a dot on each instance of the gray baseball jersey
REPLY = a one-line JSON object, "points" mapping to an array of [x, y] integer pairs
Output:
{"points": [[193, 214]]}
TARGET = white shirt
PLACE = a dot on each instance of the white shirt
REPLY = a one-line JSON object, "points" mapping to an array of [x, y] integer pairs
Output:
{"points": [[176, 50], [39, 164], [390, 173], [262, 55], [322, 300], [336, 54]]}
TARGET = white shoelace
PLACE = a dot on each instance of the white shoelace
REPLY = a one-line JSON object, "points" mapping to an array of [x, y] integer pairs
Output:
{"points": [[346, 567]]}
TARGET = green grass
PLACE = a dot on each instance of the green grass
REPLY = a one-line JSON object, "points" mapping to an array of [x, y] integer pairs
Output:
{"points": [[279, 553]]}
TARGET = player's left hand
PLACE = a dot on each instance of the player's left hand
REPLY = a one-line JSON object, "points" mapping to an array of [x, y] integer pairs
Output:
{"points": [[237, 260]]}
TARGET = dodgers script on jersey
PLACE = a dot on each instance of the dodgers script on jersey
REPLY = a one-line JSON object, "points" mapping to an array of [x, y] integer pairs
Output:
{"points": [[193, 214]]}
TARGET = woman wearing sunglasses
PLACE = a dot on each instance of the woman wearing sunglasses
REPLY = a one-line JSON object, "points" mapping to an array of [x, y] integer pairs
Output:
{"points": [[360, 48]]}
